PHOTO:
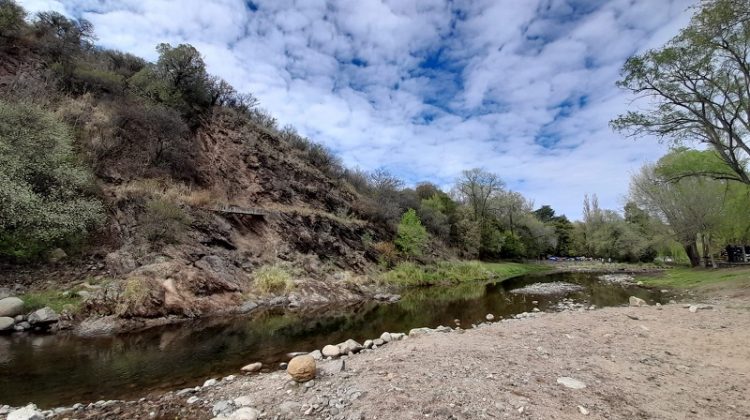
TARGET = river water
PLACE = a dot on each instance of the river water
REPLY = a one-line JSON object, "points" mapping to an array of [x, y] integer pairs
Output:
{"points": [[54, 370]]}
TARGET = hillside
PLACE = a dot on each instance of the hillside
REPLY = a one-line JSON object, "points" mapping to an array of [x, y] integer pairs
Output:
{"points": [[205, 203]]}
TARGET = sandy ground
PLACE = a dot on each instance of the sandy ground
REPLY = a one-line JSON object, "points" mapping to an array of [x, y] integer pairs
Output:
{"points": [[635, 362]]}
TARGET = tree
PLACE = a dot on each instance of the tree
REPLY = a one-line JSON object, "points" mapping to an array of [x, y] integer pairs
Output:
{"points": [[11, 19], [62, 38], [692, 207], [545, 213], [698, 86], [45, 198], [476, 188], [412, 236]]}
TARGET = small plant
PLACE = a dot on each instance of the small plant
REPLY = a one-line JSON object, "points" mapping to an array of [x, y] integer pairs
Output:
{"points": [[406, 274], [387, 254], [54, 299], [274, 279]]}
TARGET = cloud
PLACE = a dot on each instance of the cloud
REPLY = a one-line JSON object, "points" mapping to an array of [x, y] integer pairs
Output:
{"points": [[427, 88]]}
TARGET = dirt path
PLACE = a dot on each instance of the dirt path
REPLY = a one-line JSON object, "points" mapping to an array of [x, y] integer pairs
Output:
{"points": [[666, 364]]}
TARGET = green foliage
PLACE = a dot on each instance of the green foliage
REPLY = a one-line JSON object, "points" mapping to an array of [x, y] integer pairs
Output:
{"points": [[45, 194], [165, 222], [412, 236], [52, 298], [89, 79], [274, 279], [408, 274], [696, 277], [11, 19], [60, 38]]}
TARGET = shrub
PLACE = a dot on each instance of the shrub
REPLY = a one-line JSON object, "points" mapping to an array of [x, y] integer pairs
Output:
{"points": [[88, 79], [45, 194], [412, 236], [165, 222], [274, 279], [11, 19], [387, 254], [406, 274]]}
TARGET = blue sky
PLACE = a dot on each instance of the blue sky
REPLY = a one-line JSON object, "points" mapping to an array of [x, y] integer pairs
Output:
{"points": [[427, 88]]}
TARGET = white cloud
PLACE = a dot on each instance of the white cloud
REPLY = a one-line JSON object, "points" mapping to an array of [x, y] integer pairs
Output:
{"points": [[503, 76]]}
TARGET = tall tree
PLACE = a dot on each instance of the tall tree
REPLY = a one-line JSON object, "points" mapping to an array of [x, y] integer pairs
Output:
{"points": [[698, 86]]}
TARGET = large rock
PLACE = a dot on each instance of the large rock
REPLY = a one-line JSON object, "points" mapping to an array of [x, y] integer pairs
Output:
{"points": [[571, 383], [245, 413], [6, 323], [302, 368], [45, 315], [350, 346], [636, 301], [11, 306], [30, 412], [331, 351], [386, 337]]}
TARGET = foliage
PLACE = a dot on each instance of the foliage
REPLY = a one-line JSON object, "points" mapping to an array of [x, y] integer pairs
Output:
{"points": [[274, 279], [409, 274], [387, 253], [164, 221], [45, 194], [698, 86], [11, 19], [55, 299], [690, 278], [412, 236], [60, 38]]}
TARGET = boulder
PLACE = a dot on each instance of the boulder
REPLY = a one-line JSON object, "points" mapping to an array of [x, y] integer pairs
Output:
{"points": [[210, 382], [386, 337], [252, 367], [45, 315], [350, 346], [636, 301], [6, 323], [245, 413], [397, 336], [30, 412], [223, 408], [301, 368], [419, 331], [378, 342], [331, 351], [243, 401], [489, 317], [11, 306], [316, 354], [368, 344]]}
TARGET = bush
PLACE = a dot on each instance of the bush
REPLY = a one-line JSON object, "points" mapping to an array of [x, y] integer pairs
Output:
{"points": [[165, 222], [412, 236], [274, 279], [45, 194], [406, 274], [11, 19], [387, 254]]}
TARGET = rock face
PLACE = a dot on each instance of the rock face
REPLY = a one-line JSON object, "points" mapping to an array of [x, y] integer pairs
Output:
{"points": [[302, 368], [331, 351], [43, 316], [11, 306], [6, 323], [636, 301]]}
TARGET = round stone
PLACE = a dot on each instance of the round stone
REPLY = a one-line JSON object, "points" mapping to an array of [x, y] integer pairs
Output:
{"points": [[302, 368]]}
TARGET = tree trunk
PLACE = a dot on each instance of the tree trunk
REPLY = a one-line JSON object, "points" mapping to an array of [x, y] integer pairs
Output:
{"points": [[691, 250]]}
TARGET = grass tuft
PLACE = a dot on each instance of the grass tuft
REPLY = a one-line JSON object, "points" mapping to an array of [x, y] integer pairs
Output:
{"points": [[274, 279]]}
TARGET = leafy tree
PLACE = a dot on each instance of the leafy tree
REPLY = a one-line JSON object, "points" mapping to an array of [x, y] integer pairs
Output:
{"points": [[61, 38], [412, 236], [45, 198], [699, 87], [545, 213], [476, 188]]}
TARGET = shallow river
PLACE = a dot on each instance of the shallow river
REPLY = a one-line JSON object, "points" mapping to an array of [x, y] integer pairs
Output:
{"points": [[53, 370]]}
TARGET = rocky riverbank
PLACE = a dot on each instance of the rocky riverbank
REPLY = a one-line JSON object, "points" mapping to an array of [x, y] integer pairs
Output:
{"points": [[670, 362]]}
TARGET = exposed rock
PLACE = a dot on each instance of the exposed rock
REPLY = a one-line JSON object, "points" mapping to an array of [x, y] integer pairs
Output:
{"points": [[193, 400], [443, 329], [252, 367], [331, 351], [397, 336], [210, 382], [378, 342], [368, 344], [386, 337], [636, 301], [419, 331], [316, 354], [45, 315], [489, 317], [120, 262], [11, 306], [6, 323], [290, 407], [349, 346], [22, 326], [693, 309], [247, 307], [302, 368], [550, 288], [583, 410], [617, 278], [223, 408], [245, 413], [571, 383], [98, 326], [30, 412]]}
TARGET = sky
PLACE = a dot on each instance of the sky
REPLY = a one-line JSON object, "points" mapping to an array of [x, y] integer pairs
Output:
{"points": [[427, 88]]}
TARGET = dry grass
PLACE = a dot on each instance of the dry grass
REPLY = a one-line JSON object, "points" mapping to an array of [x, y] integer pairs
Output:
{"points": [[274, 279], [173, 191]]}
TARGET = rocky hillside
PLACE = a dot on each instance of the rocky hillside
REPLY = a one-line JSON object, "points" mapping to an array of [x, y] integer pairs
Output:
{"points": [[207, 205]]}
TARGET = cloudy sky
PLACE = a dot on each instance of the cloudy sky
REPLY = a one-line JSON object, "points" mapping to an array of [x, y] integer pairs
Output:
{"points": [[427, 88]]}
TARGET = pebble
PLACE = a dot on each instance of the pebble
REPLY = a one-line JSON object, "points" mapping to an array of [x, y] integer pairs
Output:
{"points": [[210, 382], [193, 400], [489, 317], [571, 383], [252, 367], [583, 410]]}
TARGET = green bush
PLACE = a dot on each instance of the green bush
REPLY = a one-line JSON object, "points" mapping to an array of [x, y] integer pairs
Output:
{"points": [[165, 222], [45, 193], [412, 236], [406, 274], [274, 278], [11, 19]]}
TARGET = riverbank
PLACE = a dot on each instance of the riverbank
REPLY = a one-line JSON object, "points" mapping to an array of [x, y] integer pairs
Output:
{"points": [[635, 362]]}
